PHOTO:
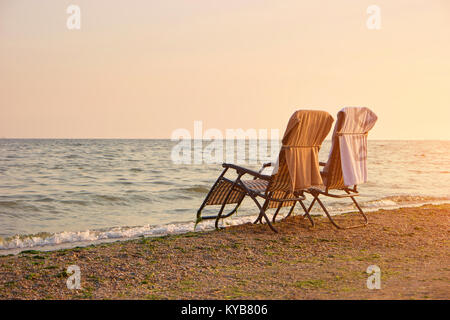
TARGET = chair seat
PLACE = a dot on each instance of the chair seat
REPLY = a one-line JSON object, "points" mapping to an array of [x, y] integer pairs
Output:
{"points": [[221, 191], [257, 185]]}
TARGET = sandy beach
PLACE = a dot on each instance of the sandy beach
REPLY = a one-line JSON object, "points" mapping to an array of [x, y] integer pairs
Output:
{"points": [[410, 245]]}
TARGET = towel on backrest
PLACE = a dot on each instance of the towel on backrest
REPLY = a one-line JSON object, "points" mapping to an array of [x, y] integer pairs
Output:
{"points": [[353, 143], [304, 134]]}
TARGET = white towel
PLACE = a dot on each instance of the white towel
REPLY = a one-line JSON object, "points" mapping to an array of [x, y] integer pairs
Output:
{"points": [[353, 143]]}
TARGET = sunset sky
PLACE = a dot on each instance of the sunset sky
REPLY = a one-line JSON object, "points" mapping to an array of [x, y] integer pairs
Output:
{"points": [[141, 69]]}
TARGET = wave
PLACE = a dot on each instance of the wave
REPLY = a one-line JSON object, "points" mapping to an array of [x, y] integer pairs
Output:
{"points": [[401, 199], [195, 189], [85, 199], [390, 202], [107, 198], [184, 193], [18, 205], [93, 236], [69, 239], [9, 204]]}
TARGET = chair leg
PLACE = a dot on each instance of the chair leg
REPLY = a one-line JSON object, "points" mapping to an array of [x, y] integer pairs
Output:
{"points": [[276, 212], [200, 218], [326, 212], [269, 223], [278, 209], [219, 215], [199, 212], [291, 210], [223, 216], [310, 206], [366, 221], [266, 203], [262, 213], [258, 220], [307, 213], [289, 213], [259, 217]]}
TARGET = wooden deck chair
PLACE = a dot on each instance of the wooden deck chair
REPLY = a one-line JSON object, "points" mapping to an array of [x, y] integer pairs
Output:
{"points": [[346, 166], [297, 169]]}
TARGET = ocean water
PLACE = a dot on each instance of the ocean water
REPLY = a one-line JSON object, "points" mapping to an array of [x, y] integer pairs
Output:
{"points": [[57, 193]]}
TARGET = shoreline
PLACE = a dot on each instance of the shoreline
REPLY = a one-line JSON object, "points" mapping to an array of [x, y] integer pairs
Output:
{"points": [[184, 227], [410, 245]]}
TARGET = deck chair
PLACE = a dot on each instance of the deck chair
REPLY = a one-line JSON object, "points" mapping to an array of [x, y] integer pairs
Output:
{"points": [[297, 169], [346, 166]]}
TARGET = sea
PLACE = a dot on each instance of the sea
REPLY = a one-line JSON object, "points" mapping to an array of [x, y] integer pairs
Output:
{"points": [[62, 193]]}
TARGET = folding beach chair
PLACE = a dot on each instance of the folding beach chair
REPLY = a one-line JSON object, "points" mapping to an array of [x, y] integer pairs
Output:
{"points": [[297, 169], [346, 166]]}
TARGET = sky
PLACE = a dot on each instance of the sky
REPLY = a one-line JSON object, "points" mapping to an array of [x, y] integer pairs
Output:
{"points": [[142, 69]]}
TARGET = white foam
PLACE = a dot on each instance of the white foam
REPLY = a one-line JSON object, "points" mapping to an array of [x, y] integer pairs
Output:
{"points": [[68, 239]]}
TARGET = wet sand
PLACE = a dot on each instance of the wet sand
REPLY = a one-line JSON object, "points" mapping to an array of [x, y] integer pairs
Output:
{"points": [[410, 245]]}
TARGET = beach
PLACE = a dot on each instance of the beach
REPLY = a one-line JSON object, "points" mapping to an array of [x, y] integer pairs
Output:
{"points": [[409, 245]]}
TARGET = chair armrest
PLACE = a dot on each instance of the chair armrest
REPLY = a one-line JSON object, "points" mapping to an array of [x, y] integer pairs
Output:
{"points": [[265, 165], [241, 170], [268, 164]]}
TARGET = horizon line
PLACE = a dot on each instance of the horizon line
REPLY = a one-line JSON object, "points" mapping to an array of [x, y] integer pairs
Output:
{"points": [[385, 139]]}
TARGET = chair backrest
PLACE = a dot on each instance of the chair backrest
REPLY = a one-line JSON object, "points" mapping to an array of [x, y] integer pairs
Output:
{"points": [[350, 139], [298, 162]]}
